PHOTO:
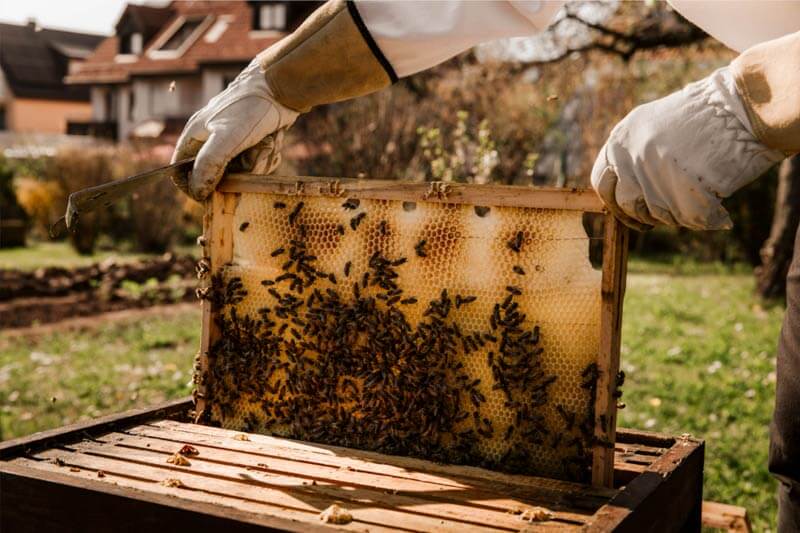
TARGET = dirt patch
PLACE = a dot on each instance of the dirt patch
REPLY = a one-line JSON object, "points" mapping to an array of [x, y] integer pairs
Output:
{"points": [[86, 322], [53, 294], [99, 277]]}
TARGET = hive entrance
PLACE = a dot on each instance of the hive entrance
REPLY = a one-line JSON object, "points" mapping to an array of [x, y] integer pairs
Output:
{"points": [[433, 329]]}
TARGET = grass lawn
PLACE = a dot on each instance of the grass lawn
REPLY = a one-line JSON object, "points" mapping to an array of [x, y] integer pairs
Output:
{"points": [[698, 351], [46, 254]]}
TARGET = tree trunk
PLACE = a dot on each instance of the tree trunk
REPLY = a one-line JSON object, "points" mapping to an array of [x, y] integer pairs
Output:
{"points": [[776, 253]]}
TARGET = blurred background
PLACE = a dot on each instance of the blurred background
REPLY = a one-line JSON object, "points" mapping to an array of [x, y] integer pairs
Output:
{"points": [[104, 319]]}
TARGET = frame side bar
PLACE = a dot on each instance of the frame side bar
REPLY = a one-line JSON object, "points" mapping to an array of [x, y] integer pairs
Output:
{"points": [[218, 250], [615, 255]]}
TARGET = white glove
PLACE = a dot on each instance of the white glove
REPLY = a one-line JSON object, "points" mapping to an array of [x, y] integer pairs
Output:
{"points": [[239, 118], [672, 161]]}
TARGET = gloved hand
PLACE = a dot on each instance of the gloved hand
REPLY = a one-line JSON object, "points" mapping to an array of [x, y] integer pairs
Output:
{"points": [[672, 161], [329, 58], [243, 116]]}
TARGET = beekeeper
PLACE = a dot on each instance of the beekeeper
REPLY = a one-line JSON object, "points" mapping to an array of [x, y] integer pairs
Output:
{"points": [[670, 161]]}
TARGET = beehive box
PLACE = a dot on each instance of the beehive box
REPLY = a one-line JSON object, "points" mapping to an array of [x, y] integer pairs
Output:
{"points": [[460, 323]]}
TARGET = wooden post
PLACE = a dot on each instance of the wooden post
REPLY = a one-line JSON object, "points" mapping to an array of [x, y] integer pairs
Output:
{"points": [[615, 255], [218, 250]]}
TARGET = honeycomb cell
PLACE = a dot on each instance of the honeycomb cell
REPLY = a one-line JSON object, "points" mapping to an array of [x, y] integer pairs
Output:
{"points": [[435, 330]]}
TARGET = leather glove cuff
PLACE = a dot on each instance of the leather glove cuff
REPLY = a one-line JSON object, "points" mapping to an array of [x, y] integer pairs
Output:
{"points": [[768, 80], [330, 57]]}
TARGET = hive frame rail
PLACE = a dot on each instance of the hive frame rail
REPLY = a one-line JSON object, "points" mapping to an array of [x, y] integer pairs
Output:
{"points": [[218, 246]]}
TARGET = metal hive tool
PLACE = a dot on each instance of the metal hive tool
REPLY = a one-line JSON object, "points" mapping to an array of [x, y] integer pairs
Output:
{"points": [[426, 326]]}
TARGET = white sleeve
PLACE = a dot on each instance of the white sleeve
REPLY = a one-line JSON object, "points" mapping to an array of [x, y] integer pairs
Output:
{"points": [[418, 34], [741, 24]]}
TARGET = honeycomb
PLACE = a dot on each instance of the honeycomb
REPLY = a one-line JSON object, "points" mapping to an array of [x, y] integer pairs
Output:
{"points": [[453, 332]]}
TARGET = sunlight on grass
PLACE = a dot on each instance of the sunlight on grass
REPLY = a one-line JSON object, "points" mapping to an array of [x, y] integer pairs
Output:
{"points": [[699, 354], [66, 376], [48, 254]]}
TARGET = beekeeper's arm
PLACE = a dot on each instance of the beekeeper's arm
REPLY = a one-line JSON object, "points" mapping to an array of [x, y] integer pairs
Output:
{"points": [[672, 161], [341, 51]]}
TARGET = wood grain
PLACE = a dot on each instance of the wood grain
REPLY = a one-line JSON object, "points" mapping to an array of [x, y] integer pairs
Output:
{"points": [[457, 193], [615, 259]]}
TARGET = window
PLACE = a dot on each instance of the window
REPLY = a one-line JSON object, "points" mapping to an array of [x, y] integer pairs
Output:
{"points": [[2, 118], [181, 36], [130, 43], [272, 17]]}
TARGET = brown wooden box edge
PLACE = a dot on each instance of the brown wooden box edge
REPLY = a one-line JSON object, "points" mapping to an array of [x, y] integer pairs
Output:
{"points": [[665, 495]]}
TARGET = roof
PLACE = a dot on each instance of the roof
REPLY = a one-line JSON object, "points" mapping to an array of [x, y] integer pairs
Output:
{"points": [[35, 60], [237, 44]]}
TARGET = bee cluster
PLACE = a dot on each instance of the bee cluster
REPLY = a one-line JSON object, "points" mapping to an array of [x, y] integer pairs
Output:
{"points": [[352, 356]]}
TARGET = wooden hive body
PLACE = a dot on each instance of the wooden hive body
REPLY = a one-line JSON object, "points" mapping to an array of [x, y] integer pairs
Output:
{"points": [[462, 323]]}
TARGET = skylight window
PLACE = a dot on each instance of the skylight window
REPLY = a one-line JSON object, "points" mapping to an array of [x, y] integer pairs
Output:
{"points": [[179, 37]]}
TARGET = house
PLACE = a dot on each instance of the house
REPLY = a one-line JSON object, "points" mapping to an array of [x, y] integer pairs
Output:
{"points": [[164, 63], [33, 63]]}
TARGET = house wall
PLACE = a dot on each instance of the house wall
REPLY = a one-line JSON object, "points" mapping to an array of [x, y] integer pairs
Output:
{"points": [[25, 115], [216, 79], [150, 98]]}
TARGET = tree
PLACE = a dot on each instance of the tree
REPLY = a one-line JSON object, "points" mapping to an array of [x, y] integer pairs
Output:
{"points": [[778, 249]]}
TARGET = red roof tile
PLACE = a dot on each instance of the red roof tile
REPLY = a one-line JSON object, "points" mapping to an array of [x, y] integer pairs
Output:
{"points": [[238, 44]]}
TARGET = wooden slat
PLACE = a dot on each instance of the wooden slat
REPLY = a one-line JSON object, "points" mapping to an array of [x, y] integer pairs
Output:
{"points": [[476, 500], [727, 517], [615, 255], [467, 504], [576, 494], [248, 486], [43, 498], [458, 193], [19, 446]]}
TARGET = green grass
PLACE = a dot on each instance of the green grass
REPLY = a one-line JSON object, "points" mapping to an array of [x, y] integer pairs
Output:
{"points": [[47, 254], [70, 375], [699, 354], [698, 350]]}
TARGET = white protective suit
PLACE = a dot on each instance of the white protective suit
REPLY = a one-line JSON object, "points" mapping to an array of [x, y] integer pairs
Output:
{"points": [[671, 161]]}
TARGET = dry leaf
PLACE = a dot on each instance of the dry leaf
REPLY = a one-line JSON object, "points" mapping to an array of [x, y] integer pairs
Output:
{"points": [[74, 469], [172, 482], [100, 473], [241, 436], [536, 514], [178, 460], [336, 515]]}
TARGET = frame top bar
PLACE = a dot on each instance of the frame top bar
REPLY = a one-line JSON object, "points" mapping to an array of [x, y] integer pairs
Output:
{"points": [[443, 192]]}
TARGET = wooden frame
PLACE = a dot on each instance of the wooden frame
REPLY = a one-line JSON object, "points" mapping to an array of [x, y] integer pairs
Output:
{"points": [[218, 233], [658, 480]]}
